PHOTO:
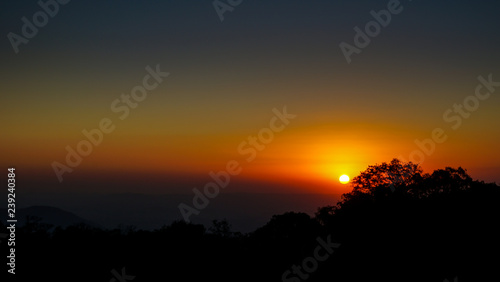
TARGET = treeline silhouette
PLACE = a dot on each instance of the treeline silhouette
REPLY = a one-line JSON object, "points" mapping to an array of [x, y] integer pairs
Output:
{"points": [[397, 224]]}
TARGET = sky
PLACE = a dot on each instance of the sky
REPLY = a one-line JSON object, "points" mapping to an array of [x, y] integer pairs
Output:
{"points": [[220, 82]]}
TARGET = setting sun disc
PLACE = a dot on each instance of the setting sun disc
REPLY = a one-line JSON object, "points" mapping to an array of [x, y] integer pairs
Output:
{"points": [[344, 179]]}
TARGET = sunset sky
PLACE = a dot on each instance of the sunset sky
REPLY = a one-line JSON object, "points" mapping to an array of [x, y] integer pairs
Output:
{"points": [[226, 77]]}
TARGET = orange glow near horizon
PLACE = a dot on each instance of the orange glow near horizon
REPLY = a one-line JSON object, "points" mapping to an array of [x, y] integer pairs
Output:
{"points": [[307, 160]]}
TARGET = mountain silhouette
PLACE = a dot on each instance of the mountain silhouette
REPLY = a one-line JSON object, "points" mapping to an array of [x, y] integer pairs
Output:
{"points": [[48, 215]]}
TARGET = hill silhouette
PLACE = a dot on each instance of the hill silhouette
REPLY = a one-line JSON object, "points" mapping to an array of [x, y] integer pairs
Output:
{"points": [[397, 224], [48, 215], [245, 211]]}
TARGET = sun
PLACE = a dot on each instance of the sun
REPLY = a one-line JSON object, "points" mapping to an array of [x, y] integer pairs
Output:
{"points": [[344, 179]]}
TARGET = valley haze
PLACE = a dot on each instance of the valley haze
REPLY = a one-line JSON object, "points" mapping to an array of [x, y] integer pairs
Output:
{"points": [[245, 212]]}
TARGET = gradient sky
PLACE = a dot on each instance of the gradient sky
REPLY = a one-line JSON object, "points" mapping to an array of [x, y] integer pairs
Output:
{"points": [[226, 78]]}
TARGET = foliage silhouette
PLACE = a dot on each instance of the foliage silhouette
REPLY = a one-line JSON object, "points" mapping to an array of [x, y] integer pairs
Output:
{"points": [[397, 224]]}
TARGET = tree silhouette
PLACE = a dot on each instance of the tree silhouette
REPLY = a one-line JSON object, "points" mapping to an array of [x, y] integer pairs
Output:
{"points": [[221, 228], [421, 227], [442, 181], [392, 174], [397, 224]]}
